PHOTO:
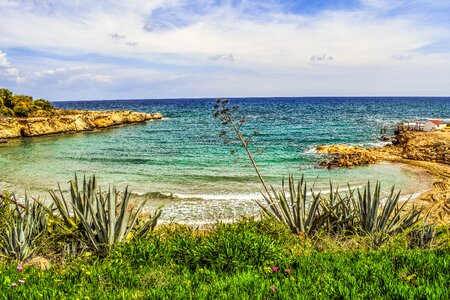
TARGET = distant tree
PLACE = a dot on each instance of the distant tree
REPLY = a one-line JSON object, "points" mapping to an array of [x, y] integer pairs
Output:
{"points": [[43, 104], [6, 111], [6, 97], [23, 105], [20, 105]]}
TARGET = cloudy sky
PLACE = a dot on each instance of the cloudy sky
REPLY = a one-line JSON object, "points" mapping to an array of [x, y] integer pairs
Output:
{"points": [[108, 49]]}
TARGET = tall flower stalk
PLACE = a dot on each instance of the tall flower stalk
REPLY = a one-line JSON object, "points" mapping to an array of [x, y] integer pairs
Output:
{"points": [[228, 117]]}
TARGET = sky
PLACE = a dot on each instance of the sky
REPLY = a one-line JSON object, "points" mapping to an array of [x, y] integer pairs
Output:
{"points": [[108, 49]]}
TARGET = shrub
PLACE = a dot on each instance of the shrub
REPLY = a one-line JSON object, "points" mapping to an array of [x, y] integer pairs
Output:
{"points": [[7, 112], [6, 97], [22, 109], [42, 104], [21, 105]]}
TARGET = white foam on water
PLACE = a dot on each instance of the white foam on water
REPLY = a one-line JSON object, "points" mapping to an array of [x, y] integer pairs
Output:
{"points": [[233, 196], [311, 150]]}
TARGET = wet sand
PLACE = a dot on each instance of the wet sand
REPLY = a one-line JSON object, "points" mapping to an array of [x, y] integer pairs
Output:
{"points": [[436, 199]]}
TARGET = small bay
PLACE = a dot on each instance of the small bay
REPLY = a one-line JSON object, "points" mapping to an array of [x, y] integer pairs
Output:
{"points": [[182, 162]]}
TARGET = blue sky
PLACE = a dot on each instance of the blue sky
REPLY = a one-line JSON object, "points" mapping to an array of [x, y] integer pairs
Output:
{"points": [[73, 50]]}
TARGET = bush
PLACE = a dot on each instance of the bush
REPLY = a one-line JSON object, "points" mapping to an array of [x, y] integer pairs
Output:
{"points": [[22, 109], [7, 112], [21, 105], [42, 104], [6, 97]]}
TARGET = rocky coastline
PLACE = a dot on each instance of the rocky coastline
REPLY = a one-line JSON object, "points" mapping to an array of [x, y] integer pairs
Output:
{"points": [[429, 151], [68, 121]]}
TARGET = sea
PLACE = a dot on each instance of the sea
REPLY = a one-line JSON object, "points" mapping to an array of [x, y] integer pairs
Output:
{"points": [[199, 176]]}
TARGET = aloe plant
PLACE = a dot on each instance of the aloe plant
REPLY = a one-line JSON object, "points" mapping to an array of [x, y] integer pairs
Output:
{"points": [[102, 218], [28, 223], [378, 219]]}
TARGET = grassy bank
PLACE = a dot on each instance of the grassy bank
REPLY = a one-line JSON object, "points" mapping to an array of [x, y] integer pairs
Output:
{"points": [[245, 260]]}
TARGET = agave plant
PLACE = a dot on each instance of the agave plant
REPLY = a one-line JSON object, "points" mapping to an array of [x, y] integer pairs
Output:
{"points": [[342, 218], [102, 218], [28, 223], [380, 220], [423, 236], [300, 212]]}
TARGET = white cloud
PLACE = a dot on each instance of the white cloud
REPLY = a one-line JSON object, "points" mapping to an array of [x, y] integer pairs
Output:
{"points": [[52, 72], [8, 72], [103, 78], [286, 45]]}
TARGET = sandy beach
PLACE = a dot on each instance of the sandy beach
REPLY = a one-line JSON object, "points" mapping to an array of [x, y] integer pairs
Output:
{"points": [[423, 152]]}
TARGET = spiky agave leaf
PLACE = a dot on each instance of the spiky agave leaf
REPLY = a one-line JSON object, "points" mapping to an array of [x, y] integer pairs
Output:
{"points": [[300, 213], [378, 220], [102, 218], [28, 224]]}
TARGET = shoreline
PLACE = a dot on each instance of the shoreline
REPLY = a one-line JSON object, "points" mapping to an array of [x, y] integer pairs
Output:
{"points": [[70, 121], [428, 152], [435, 199]]}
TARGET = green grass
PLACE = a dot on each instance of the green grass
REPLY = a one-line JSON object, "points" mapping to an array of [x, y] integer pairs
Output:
{"points": [[235, 262]]}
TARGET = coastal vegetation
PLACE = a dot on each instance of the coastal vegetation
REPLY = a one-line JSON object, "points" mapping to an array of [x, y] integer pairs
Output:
{"points": [[21, 116], [345, 244], [248, 259], [12, 105]]}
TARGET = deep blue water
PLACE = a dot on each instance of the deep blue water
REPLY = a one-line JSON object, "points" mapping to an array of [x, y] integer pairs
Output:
{"points": [[184, 155]]}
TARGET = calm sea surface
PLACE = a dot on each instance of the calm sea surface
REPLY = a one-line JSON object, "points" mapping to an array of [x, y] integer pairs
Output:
{"points": [[183, 155]]}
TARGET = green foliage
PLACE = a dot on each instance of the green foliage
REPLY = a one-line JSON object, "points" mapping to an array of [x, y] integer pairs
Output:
{"points": [[226, 248], [42, 104], [364, 215], [6, 214], [21, 105], [27, 224], [102, 218], [423, 236], [147, 269], [300, 213], [231, 248], [379, 220], [6, 96], [7, 112], [23, 109]]}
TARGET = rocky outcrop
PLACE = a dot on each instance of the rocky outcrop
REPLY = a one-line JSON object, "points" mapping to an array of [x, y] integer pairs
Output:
{"points": [[65, 121], [427, 150], [412, 145], [425, 146], [344, 156]]}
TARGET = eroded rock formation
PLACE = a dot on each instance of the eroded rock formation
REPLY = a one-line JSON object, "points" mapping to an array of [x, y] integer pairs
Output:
{"points": [[65, 121], [413, 145]]}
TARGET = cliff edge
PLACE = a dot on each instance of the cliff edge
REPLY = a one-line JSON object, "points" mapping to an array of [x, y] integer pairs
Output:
{"points": [[65, 121]]}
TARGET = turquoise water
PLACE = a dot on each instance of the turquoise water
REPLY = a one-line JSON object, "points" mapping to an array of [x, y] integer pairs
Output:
{"points": [[184, 156]]}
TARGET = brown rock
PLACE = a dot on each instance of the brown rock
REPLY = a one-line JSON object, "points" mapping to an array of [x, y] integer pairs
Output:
{"points": [[69, 121], [38, 262]]}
